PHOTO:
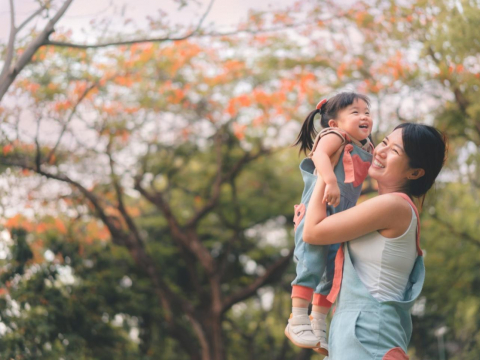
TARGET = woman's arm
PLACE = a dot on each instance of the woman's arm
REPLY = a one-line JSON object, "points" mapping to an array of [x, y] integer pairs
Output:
{"points": [[384, 213]]}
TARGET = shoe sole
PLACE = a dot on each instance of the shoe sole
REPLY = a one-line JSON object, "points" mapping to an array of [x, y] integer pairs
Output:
{"points": [[298, 344], [321, 351]]}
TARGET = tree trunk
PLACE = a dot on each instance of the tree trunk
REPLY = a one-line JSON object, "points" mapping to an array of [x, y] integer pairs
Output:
{"points": [[212, 325]]}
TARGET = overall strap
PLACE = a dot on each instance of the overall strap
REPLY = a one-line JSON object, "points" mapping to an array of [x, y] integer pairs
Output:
{"points": [[348, 164], [338, 274], [406, 197]]}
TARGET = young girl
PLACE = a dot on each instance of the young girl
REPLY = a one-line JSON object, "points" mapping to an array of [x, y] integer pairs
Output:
{"points": [[341, 154]]}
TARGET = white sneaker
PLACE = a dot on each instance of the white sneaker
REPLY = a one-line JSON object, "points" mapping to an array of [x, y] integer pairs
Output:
{"points": [[319, 328], [299, 331]]}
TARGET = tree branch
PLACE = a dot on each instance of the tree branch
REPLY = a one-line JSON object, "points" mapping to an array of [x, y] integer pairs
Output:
{"points": [[191, 265], [70, 117], [217, 184], [121, 238], [11, 74], [273, 271], [138, 252], [197, 329], [31, 17], [246, 158], [117, 233], [432, 55], [38, 155], [236, 227], [119, 192], [464, 235], [11, 43], [157, 199], [180, 38], [461, 100], [131, 42], [187, 239]]}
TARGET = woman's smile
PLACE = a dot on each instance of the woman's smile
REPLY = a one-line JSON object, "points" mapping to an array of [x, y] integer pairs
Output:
{"points": [[377, 164]]}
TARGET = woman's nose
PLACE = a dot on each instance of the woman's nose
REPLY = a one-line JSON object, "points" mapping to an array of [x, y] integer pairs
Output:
{"points": [[381, 152]]}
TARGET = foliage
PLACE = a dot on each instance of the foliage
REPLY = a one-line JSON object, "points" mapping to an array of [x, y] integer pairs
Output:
{"points": [[158, 180]]}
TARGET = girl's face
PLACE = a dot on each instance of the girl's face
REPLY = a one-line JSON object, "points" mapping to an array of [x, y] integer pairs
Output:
{"points": [[390, 165], [355, 120]]}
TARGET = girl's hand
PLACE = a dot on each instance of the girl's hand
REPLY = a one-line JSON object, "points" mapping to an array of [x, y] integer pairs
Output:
{"points": [[332, 195]]}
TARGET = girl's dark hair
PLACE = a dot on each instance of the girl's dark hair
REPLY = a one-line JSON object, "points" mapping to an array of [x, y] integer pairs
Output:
{"points": [[426, 148], [328, 111]]}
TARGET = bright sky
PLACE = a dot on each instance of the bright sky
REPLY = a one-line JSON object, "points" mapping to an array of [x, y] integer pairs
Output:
{"points": [[224, 13]]}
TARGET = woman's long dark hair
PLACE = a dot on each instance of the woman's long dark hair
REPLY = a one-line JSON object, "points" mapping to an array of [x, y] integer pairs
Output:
{"points": [[426, 148], [328, 111]]}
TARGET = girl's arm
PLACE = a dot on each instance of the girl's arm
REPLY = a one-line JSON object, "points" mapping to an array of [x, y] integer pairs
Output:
{"points": [[327, 147], [389, 214]]}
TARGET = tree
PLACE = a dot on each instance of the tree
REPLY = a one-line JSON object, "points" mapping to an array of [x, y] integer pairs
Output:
{"points": [[18, 56], [127, 128], [139, 134]]}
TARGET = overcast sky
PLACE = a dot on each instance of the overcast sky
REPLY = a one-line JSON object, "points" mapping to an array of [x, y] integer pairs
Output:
{"points": [[224, 13]]}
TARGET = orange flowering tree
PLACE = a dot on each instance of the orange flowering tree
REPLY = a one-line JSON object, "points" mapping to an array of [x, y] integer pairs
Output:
{"points": [[154, 170], [166, 151]]}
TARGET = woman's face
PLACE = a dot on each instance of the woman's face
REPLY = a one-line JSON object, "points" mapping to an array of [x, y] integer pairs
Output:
{"points": [[390, 166]]}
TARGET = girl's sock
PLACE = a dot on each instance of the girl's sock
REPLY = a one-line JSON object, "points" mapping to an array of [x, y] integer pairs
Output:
{"points": [[319, 315], [299, 311]]}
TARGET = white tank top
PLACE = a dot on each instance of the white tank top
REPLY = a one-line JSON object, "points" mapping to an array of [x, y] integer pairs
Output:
{"points": [[383, 264]]}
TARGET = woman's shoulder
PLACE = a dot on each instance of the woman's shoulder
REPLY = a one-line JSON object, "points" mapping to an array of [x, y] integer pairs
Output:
{"points": [[390, 203], [397, 214]]}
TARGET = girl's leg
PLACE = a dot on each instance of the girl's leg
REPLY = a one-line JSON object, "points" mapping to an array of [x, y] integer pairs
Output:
{"points": [[321, 307], [300, 303], [299, 329], [320, 304]]}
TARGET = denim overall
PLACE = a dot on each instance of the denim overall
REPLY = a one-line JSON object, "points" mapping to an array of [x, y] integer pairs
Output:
{"points": [[317, 261], [363, 328]]}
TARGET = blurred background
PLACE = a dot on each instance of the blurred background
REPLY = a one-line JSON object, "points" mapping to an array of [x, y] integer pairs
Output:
{"points": [[147, 177]]}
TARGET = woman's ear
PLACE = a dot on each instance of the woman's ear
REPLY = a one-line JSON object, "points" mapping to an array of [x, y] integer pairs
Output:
{"points": [[416, 173], [332, 123]]}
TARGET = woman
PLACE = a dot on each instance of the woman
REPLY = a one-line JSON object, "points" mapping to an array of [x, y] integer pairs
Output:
{"points": [[383, 269]]}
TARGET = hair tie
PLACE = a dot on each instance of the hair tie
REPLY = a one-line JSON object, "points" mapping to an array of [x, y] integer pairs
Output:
{"points": [[321, 103]]}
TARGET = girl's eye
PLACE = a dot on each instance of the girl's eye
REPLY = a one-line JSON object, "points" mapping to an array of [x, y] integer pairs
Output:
{"points": [[396, 152], [384, 142]]}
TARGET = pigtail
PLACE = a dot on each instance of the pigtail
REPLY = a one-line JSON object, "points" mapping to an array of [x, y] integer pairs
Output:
{"points": [[307, 132]]}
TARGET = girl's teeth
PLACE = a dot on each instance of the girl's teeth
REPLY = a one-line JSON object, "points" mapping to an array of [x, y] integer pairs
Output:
{"points": [[378, 164]]}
